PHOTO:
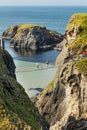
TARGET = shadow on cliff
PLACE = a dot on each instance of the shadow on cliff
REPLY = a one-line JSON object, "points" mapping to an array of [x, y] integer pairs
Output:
{"points": [[73, 124]]}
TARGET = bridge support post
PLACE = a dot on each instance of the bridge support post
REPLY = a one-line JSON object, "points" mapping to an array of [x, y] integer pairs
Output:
{"points": [[2, 46]]}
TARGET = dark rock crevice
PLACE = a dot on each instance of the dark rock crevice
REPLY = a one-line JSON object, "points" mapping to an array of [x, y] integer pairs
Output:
{"points": [[73, 124], [9, 63]]}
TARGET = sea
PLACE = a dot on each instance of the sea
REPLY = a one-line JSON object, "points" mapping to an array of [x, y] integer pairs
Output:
{"points": [[54, 18]]}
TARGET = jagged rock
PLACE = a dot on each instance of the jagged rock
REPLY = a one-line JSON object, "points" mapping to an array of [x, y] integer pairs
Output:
{"points": [[33, 37], [76, 124], [64, 103], [9, 63]]}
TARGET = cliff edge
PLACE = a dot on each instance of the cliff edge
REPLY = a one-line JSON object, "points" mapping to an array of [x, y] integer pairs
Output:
{"points": [[64, 102]]}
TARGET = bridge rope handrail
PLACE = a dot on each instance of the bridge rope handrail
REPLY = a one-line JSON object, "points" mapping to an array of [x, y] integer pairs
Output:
{"points": [[35, 69]]}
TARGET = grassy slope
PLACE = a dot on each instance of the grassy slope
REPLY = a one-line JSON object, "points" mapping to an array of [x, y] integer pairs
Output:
{"points": [[81, 40], [82, 66], [16, 109], [79, 45]]}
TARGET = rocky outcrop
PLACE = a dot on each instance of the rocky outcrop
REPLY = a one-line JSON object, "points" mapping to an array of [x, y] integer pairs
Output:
{"points": [[9, 63], [33, 37], [17, 112], [64, 103]]}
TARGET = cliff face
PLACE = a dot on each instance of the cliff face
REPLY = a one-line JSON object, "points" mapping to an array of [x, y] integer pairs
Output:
{"points": [[33, 37], [64, 102], [9, 63], [17, 112]]}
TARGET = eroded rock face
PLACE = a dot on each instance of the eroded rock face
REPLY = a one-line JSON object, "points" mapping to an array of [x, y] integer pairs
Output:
{"points": [[72, 34], [32, 37], [67, 97], [64, 104]]}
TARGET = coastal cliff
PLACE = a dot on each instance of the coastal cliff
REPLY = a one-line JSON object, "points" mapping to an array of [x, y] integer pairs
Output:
{"points": [[33, 37], [17, 112], [64, 101]]}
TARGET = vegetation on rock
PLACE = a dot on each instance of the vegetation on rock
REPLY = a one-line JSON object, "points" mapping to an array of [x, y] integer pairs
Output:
{"points": [[78, 22], [16, 109], [34, 37], [48, 86], [64, 105], [82, 66]]}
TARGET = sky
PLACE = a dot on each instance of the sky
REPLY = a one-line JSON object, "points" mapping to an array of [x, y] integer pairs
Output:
{"points": [[43, 2]]}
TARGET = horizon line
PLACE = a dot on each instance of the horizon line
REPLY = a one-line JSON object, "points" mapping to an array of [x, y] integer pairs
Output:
{"points": [[45, 5]]}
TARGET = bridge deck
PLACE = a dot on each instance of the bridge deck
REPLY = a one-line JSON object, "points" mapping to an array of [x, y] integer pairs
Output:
{"points": [[35, 69]]}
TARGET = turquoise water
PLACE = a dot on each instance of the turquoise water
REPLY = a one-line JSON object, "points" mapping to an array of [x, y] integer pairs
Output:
{"points": [[26, 61], [34, 79], [54, 18]]}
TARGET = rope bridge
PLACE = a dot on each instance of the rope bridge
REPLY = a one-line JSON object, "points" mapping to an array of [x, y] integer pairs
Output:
{"points": [[35, 69]]}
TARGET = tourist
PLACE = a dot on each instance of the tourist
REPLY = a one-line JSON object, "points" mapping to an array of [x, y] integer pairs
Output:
{"points": [[47, 63], [37, 65]]}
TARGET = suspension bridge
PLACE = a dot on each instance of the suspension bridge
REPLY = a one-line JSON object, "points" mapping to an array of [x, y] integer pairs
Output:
{"points": [[26, 69], [23, 69]]}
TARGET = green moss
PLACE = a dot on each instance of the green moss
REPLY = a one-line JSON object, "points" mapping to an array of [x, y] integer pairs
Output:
{"points": [[16, 109], [27, 26], [19, 104], [82, 66], [49, 86], [23, 27], [78, 20]]}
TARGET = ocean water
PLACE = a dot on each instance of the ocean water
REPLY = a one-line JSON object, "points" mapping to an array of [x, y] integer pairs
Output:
{"points": [[54, 18]]}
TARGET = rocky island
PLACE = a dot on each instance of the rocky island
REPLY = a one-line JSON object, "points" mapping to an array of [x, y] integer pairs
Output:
{"points": [[33, 37]]}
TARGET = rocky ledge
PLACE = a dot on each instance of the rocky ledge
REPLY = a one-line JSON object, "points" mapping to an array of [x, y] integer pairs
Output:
{"points": [[64, 102], [32, 37]]}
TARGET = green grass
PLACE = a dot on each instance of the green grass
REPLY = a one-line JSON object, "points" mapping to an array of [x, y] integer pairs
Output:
{"points": [[78, 20], [16, 104], [21, 28], [82, 66], [21, 106], [48, 87], [27, 26], [79, 45]]}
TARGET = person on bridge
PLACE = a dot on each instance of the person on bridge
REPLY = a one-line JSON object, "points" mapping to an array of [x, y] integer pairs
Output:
{"points": [[37, 65], [47, 63]]}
